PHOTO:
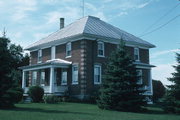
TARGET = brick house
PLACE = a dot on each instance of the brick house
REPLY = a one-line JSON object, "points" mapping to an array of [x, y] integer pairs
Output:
{"points": [[73, 58]]}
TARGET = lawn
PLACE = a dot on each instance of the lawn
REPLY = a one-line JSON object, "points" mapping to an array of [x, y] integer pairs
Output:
{"points": [[77, 111]]}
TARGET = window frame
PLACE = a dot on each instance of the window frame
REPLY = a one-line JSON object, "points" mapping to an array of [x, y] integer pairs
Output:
{"points": [[75, 82], [68, 48], [98, 48], [34, 78], [42, 80], [62, 81], [100, 74], [140, 76], [136, 50], [39, 56]]}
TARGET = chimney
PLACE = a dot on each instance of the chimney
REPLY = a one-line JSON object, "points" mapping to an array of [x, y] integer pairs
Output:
{"points": [[61, 23]]}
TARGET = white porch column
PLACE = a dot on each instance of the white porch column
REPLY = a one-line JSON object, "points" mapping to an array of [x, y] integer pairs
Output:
{"points": [[150, 78], [51, 90], [23, 80]]}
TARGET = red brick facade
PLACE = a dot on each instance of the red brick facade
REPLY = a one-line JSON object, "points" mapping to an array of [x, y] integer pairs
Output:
{"points": [[84, 54]]}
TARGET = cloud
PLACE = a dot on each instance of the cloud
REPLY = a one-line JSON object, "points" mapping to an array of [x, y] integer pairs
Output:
{"points": [[22, 7], [122, 13], [162, 72], [159, 53]]}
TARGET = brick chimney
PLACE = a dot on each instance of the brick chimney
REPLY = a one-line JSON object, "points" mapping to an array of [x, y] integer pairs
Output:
{"points": [[61, 23]]}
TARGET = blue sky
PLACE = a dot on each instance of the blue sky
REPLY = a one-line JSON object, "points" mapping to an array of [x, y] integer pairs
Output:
{"points": [[27, 21]]}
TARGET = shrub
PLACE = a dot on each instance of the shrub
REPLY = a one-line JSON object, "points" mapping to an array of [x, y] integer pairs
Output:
{"points": [[16, 94], [52, 99], [36, 93]]}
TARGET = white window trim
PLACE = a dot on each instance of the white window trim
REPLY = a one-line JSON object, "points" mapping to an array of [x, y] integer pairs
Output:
{"points": [[34, 78], [42, 72], [62, 77], [40, 55], [97, 83], [139, 74], [100, 42], [69, 43], [53, 52], [136, 49], [75, 82]]}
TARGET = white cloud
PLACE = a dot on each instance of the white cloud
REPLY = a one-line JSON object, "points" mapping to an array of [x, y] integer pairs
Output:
{"points": [[162, 72], [22, 7], [122, 13], [159, 53]]}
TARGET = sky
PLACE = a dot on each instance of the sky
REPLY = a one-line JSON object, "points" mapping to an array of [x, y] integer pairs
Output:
{"points": [[27, 21]]}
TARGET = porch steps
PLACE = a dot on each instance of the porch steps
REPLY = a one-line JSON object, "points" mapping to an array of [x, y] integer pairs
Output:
{"points": [[27, 99]]}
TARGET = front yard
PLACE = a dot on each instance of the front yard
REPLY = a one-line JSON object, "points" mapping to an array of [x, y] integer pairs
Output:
{"points": [[78, 111]]}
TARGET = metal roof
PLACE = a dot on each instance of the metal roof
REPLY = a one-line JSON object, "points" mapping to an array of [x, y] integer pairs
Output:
{"points": [[93, 26]]}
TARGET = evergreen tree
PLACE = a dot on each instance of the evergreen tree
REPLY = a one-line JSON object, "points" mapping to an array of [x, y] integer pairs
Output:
{"points": [[119, 90], [10, 59], [172, 99], [5, 69]]}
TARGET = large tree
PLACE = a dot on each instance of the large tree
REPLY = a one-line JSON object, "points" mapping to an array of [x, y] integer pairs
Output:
{"points": [[172, 99], [10, 58], [120, 90]]}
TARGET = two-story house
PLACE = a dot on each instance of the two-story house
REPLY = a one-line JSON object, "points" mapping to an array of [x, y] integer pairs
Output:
{"points": [[73, 58]]}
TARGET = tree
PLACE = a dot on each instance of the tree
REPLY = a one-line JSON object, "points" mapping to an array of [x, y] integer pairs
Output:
{"points": [[158, 90], [5, 69], [10, 59], [119, 90], [172, 99]]}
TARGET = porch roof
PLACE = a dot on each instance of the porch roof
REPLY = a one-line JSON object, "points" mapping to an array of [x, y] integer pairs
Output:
{"points": [[49, 63], [143, 65]]}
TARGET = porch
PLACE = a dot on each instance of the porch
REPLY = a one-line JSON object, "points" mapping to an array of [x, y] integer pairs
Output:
{"points": [[51, 76]]}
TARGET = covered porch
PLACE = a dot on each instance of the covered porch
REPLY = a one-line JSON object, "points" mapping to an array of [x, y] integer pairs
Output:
{"points": [[51, 76]]}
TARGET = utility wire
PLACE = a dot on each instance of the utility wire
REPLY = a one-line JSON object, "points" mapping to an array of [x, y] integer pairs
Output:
{"points": [[160, 18], [161, 25]]}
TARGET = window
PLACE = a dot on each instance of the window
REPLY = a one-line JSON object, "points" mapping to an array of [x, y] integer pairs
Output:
{"points": [[139, 75], [39, 56], [34, 77], [42, 78], [64, 77], [53, 52], [136, 54], [97, 74], [75, 74], [68, 49], [100, 49]]}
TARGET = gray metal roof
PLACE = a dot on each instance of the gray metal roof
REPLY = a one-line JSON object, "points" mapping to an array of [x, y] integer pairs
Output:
{"points": [[89, 26]]}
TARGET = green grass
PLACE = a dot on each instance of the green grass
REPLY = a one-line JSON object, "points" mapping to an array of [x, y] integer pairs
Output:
{"points": [[78, 111]]}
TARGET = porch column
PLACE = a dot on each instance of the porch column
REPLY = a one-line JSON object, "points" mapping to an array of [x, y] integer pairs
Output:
{"points": [[150, 78], [51, 90], [23, 80]]}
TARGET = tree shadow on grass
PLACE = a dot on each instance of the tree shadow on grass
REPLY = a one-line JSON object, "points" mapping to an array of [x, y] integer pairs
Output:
{"points": [[25, 109]]}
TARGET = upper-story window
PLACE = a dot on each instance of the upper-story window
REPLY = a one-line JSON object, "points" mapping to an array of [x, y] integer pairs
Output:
{"points": [[53, 52], [75, 74], [136, 54], [100, 49], [39, 56], [68, 49], [97, 74], [139, 75]]}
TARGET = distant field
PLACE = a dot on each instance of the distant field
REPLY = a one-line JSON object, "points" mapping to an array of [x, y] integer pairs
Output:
{"points": [[78, 111]]}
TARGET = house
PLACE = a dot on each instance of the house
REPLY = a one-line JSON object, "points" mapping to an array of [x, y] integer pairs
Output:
{"points": [[73, 58]]}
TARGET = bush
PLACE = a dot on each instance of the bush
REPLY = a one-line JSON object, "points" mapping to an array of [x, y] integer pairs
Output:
{"points": [[16, 94], [52, 99], [36, 93]]}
